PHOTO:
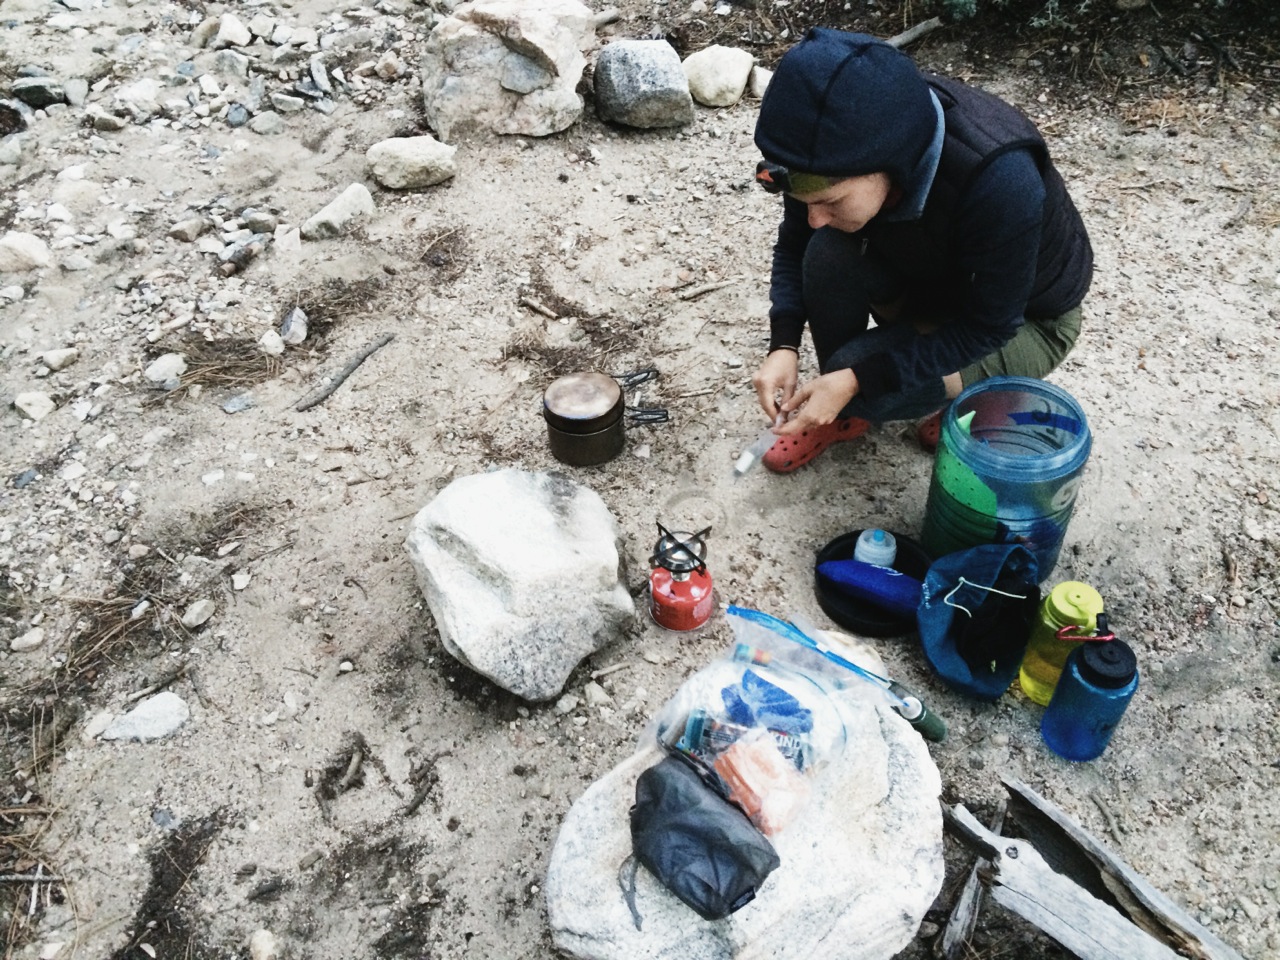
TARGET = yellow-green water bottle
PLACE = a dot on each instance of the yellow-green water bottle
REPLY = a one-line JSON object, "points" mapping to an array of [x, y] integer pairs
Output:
{"points": [[1068, 604]]}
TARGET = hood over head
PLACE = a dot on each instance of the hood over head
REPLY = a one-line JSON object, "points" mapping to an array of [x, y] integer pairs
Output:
{"points": [[846, 104]]}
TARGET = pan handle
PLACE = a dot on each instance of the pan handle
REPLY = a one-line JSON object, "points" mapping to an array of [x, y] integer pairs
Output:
{"points": [[644, 415]]}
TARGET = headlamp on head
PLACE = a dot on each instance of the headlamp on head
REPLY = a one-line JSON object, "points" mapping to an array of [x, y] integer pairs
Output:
{"points": [[776, 178]]}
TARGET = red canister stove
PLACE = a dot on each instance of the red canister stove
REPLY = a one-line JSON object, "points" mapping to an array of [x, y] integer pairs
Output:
{"points": [[680, 596]]}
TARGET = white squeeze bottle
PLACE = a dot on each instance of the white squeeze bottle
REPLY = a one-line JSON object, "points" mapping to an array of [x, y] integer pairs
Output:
{"points": [[759, 447], [876, 546]]}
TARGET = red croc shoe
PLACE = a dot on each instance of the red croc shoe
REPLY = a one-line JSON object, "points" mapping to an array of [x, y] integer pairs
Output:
{"points": [[929, 431], [791, 453]]}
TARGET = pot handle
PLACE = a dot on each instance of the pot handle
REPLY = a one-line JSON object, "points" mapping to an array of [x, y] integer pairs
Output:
{"points": [[647, 414], [636, 377]]}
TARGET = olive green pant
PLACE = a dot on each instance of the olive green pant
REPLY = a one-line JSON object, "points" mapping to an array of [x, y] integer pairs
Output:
{"points": [[1037, 347], [843, 289]]}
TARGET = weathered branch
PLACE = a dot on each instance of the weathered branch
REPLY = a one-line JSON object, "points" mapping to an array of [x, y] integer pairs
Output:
{"points": [[1062, 879], [915, 33], [964, 915], [323, 393], [1150, 909], [1021, 881]]}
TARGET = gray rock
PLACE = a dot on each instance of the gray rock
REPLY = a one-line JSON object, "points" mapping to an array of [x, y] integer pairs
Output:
{"points": [[189, 230], [28, 641], [21, 252], [320, 75], [257, 90], [141, 95], [524, 593], [410, 162], [229, 63], [38, 92], [352, 204], [168, 367], [197, 613], [718, 75], [759, 82], [389, 66], [285, 103], [104, 121], [293, 329], [152, 719], [262, 26], [272, 343], [76, 90], [15, 115], [60, 358], [263, 946], [259, 221], [232, 32], [507, 66], [76, 263], [237, 115], [10, 151], [861, 862], [641, 83], [267, 124]]}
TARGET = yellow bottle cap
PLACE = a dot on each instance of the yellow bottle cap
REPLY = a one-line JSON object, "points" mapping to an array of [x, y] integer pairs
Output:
{"points": [[1075, 602]]}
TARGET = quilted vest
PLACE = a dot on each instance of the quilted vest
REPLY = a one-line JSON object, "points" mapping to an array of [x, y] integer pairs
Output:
{"points": [[979, 128]]}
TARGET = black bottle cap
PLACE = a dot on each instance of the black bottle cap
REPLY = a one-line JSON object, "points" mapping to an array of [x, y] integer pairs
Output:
{"points": [[1107, 663]]}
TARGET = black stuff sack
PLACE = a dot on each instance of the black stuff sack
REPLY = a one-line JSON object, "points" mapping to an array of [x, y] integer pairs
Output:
{"points": [[700, 846]]}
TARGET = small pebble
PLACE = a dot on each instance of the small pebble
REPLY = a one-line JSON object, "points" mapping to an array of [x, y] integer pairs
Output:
{"points": [[198, 613], [28, 641]]}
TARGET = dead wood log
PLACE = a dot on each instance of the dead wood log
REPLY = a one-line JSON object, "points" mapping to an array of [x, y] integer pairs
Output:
{"points": [[1021, 881], [1061, 878], [322, 394], [1083, 858], [964, 915]]}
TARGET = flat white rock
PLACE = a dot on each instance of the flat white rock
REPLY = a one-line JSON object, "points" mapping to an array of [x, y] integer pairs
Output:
{"points": [[152, 719]]}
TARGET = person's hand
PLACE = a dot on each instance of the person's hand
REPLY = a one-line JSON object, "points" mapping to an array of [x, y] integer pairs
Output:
{"points": [[776, 380], [818, 402]]}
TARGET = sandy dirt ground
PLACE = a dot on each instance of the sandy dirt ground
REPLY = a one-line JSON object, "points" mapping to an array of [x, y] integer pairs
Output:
{"points": [[251, 816]]}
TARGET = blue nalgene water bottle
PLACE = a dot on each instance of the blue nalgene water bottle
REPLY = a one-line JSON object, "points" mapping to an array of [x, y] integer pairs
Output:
{"points": [[1097, 684]]}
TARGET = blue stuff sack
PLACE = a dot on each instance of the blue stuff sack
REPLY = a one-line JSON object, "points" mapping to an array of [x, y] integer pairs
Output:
{"points": [[975, 616]]}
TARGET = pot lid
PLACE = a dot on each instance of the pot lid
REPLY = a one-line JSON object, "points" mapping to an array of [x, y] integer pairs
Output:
{"points": [[582, 396]]}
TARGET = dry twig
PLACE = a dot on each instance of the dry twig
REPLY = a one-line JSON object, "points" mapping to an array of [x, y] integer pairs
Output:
{"points": [[319, 396]]}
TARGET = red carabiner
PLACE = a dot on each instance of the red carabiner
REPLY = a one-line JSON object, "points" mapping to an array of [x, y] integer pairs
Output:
{"points": [[1063, 634]]}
